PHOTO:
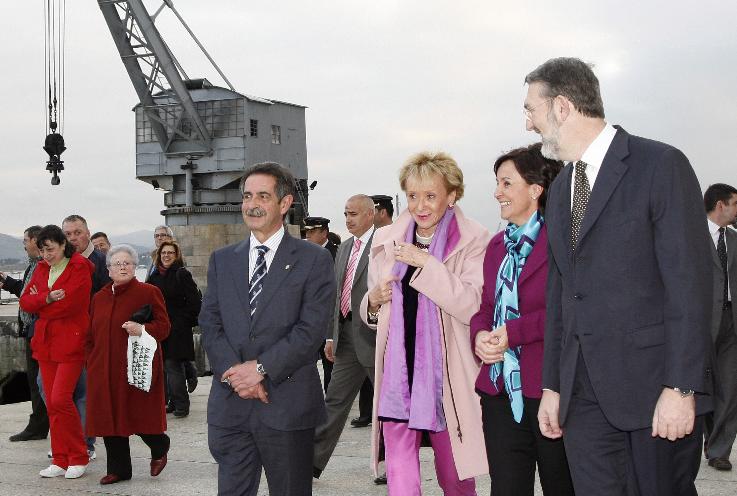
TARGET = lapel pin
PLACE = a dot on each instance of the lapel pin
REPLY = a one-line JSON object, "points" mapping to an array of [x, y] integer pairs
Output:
{"points": [[287, 267]]}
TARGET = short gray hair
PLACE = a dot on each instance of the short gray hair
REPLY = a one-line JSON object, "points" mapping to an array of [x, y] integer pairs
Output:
{"points": [[572, 78], [168, 230], [122, 248]]}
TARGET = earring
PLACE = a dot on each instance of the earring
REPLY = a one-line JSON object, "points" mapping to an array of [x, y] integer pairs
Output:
{"points": [[534, 197]]}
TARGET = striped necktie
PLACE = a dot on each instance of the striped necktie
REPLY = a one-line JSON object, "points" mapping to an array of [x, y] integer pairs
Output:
{"points": [[345, 295], [257, 279]]}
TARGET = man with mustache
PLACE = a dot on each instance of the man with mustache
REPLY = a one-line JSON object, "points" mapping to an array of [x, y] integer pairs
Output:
{"points": [[626, 376], [263, 318]]}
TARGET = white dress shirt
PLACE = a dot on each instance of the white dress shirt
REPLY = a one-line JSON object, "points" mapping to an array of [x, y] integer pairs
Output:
{"points": [[714, 231], [594, 156], [272, 243]]}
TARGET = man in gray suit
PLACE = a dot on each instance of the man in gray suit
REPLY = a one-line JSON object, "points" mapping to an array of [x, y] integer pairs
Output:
{"points": [[626, 366], [351, 344], [263, 318], [720, 201]]}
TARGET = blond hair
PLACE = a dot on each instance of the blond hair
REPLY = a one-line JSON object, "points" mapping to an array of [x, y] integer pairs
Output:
{"points": [[425, 164]]}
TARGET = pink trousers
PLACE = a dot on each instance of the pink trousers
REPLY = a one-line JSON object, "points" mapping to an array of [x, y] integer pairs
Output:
{"points": [[402, 446], [67, 440]]}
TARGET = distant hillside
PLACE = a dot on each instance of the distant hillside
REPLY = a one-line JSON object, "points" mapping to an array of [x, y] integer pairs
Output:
{"points": [[137, 239], [11, 247]]}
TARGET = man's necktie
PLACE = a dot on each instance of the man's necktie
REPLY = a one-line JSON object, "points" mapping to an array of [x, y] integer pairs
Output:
{"points": [[345, 295], [581, 192], [257, 279], [722, 252]]}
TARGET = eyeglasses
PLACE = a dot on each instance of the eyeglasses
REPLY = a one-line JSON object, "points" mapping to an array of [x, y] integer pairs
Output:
{"points": [[169, 253], [120, 265], [164, 235], [528, 111]]}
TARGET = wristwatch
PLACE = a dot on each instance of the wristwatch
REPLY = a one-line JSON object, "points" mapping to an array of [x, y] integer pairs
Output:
{"points": [[685, 393], [260, 368], [373, 317]]}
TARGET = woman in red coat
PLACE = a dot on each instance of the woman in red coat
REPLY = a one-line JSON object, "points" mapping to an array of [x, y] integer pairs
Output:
{"points": [[117, 409], [59, 292]]}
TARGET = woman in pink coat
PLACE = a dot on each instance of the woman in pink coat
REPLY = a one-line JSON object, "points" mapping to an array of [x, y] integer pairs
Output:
{"points": [[425, 278]]}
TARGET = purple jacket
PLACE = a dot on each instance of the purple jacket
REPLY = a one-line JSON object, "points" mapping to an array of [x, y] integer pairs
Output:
{"points": [[529, 329]]}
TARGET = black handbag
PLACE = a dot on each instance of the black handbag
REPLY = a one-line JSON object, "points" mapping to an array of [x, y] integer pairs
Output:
{"points": [[143, 315]]}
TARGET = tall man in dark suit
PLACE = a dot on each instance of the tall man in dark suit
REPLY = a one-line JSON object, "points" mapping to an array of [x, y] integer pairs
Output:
{"points": [[316, 231], [720, 201], [629, 295], [351, 344], [263, 318]]}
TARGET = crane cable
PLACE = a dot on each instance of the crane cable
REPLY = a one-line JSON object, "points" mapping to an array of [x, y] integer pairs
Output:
{"points": [[54, 34]]}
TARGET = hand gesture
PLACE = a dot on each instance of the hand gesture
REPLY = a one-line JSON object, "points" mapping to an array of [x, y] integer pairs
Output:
{"points": [[410, 254], [547, 415], [55, 295], [329, 351], [382, 293], [674, 415]]}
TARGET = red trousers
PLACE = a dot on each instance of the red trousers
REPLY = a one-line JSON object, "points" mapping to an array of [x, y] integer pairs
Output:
{"points": [[67, 440]]}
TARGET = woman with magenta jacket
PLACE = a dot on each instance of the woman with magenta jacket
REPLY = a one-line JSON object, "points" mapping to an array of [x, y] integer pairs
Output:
{"points": [[508, 330]]}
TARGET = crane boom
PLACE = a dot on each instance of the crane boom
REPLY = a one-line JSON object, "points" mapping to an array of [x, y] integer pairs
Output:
{"points": [[139, 43]]}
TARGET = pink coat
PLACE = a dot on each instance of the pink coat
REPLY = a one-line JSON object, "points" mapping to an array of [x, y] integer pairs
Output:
{"points": [[455, 287]]}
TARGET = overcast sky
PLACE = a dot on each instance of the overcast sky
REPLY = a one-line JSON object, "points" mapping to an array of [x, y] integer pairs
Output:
{"points": [[382, 80]]}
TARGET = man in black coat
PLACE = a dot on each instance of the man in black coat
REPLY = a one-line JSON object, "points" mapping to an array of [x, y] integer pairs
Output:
{"points": [[38, 422], [626, 375]]}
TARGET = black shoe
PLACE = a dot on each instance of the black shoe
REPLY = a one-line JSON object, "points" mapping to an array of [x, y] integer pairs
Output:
{"points": [[169, 408], [191, 384], [27, 436], [380, 480], [361, 421], [181, 413], [316, 473], [720, 464]]}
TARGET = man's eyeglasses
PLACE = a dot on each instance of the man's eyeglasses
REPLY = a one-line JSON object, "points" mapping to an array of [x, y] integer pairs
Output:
{"points": [[528, 111]]}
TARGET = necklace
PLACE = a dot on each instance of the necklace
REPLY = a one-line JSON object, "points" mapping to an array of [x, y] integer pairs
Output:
{"points": [[422, 242]]}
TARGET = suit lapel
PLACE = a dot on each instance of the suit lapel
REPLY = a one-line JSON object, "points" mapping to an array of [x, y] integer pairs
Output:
{"points": [[730, 237], [283, 263], [344, 252], [240, 273], [611, 172]]}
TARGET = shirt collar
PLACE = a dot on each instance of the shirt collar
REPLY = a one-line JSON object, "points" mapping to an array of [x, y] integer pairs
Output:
{"points": [[272, 243], [88, 251], [594, 154], [713, 228], [366, 236]]}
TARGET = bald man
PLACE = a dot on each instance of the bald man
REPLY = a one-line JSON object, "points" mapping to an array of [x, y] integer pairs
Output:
{"points": [[351, 344]]}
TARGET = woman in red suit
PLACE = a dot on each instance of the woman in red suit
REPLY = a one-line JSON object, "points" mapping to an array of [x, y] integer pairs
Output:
{"points": [[507, 332], [59, 292]]}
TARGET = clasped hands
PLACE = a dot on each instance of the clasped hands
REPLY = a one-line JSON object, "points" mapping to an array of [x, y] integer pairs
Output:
{"points": [[55, 295], [491, 345], [246, 381]]}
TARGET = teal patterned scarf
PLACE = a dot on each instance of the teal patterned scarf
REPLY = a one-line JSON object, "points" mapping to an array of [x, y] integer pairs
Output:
{"points": [[519, 242]]}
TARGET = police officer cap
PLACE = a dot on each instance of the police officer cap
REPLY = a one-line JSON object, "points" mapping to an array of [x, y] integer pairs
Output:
{"points": [[381, 200], [316, 222]]}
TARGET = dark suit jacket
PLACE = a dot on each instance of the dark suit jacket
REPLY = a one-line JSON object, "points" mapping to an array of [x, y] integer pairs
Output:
{"points": [[730, 237], [363, 338], [637, 292], [284, 334], [528, 330], [101, 276]]}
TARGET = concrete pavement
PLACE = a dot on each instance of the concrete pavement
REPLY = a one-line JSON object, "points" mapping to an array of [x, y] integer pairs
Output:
{"points": [[191, 470]]}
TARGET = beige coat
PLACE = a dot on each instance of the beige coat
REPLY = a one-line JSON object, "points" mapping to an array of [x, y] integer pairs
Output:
{"points": [[455, 287]]}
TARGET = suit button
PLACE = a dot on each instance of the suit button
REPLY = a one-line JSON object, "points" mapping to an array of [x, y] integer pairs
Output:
{"points": [[578, 296]]}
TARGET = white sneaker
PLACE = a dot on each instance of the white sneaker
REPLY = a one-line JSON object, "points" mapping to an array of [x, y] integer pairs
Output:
{"points": [[75, 471], [52, 471], [92, 454]]}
